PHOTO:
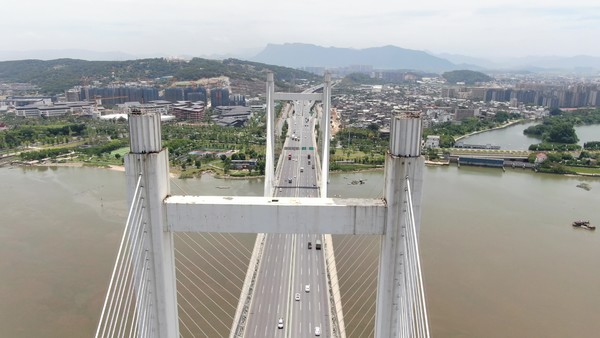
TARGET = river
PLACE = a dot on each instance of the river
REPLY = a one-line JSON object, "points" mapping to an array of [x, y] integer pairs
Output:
{"points": [[512, 137], [500, 258]]}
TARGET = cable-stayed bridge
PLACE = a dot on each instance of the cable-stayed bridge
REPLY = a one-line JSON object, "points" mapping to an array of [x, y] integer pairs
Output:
{"points": [[180, 271]]}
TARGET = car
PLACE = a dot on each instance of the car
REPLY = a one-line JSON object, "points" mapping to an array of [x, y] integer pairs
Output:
{"points": [[297, 296], [289, 180], [307, 288], [310, 245], [313, 166], [280, 323], [317, 330]]}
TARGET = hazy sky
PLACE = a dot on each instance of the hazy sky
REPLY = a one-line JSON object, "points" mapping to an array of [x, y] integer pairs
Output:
{"points": [[489, 28]]}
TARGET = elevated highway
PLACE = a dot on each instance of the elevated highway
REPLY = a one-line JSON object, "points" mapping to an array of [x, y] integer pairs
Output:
{"points": [[291, 294]]}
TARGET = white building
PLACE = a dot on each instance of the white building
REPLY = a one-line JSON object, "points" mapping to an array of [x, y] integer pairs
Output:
{"points": [[433, 141]]}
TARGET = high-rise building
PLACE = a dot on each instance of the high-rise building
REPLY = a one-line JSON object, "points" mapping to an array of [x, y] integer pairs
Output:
{"points": [[219, 97]]}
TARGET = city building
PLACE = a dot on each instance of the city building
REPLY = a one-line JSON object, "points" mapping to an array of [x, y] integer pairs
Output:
{"points": [[433, 141], [219, 97]]}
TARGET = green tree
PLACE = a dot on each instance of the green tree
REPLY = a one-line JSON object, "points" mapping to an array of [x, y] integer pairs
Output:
{"points": [[562, 133]]}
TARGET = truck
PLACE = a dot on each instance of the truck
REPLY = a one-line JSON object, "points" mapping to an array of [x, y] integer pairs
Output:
{"points": [[318, 244]]}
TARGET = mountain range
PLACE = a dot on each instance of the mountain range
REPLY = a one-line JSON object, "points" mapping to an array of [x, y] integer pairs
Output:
{"points": [[297, 55], [391, 57], [387, 57]]}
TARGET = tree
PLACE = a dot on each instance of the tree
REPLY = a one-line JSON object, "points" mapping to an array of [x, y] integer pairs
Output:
{"points": [[555, 112], [562, 133], [502, 117], [373, 127], [432, 154]]}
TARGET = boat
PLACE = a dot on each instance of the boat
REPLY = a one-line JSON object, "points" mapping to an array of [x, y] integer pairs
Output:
{"points": [[435, 163], [584, 225]]}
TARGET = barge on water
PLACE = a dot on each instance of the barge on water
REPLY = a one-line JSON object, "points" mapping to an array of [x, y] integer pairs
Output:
{"points": [[584, 225]]}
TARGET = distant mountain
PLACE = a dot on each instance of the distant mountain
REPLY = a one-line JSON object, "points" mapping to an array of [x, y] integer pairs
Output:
{"points": [[53, 54], [388, 57], [554, 62], [462, 60], [466, 76], [530, 63], [54, 76]]}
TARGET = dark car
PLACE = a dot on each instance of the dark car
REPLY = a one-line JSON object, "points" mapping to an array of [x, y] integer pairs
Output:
{"points": [[309, 245]]}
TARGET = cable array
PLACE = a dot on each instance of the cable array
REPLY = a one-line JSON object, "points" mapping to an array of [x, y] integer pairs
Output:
{"points": [[128, 306], [357, 263], [210, 274], [210, 270], [414, 315]]}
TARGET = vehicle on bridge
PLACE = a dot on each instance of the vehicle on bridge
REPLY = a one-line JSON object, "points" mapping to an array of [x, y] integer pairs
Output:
{"points": [[280, 323], [317, 330], [307, 288], [289, 156], [310, 245], [318, 244], [297, 296]]}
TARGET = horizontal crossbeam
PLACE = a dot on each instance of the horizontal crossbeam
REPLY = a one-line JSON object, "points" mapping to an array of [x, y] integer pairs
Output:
{"points": [[298, 96], [275, 215]]}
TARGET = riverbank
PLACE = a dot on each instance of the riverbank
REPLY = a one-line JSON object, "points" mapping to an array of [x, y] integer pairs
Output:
{"points": [[507, 124]]}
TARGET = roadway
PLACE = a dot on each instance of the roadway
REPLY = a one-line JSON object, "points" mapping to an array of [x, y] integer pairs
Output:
{"points": [[287, 265]]}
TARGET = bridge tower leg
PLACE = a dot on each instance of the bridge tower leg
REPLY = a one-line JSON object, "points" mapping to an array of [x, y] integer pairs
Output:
{"points": [[148, 159], [403, 160], [326, 134], [270, 151]]}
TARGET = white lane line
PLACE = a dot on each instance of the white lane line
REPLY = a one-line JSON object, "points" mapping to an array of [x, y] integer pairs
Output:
{"points": [[269, 312]]}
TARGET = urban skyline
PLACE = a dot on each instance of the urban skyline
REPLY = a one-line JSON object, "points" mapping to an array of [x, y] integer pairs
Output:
{"points": [[491, 29]]}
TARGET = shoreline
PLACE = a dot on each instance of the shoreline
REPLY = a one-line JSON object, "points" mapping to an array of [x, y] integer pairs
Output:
{"points": [[508, 124]]}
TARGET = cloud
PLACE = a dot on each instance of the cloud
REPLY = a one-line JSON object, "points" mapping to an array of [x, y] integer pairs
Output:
{"points": [[218, 27]]}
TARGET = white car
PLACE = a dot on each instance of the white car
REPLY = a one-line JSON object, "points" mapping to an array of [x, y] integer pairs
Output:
{"points": [[297, 296], [307, 288], [280, 323], [317, 330]]}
